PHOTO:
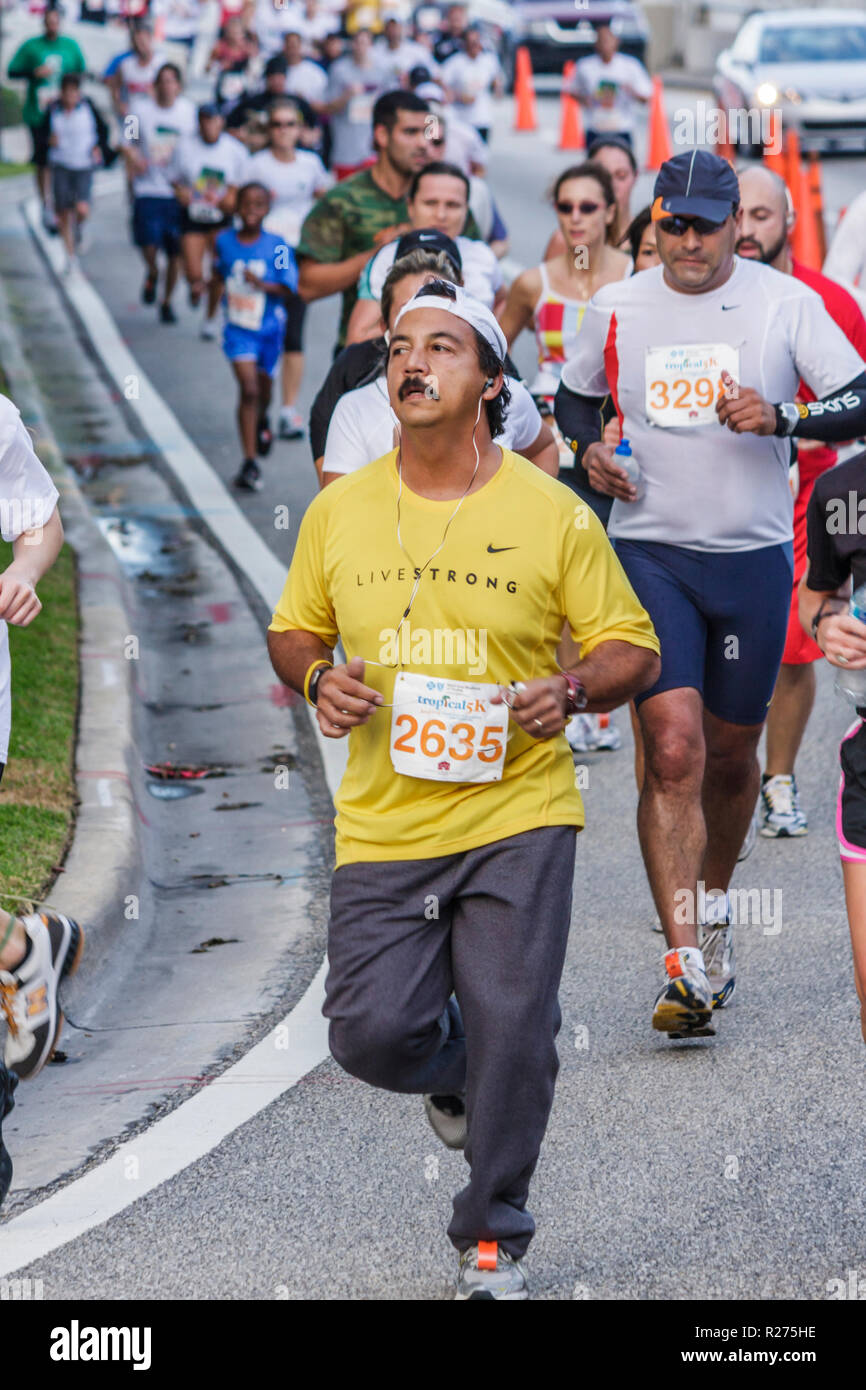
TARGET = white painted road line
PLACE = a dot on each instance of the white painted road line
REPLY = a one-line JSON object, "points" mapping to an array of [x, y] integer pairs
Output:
{"points": [[300, 1042], [268, 1070]]}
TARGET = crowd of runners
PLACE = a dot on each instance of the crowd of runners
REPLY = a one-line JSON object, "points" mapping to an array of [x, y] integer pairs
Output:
{"points": [[645, 524]]}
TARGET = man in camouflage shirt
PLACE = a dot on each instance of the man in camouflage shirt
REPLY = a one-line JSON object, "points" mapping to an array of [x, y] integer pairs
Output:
{"points": [[366, 210]]}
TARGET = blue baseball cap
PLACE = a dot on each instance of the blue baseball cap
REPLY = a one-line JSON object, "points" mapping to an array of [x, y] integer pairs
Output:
{"points": [[695, 183]]}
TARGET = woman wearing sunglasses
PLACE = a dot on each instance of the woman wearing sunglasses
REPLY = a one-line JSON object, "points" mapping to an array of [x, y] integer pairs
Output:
{"points": [[553, 296]]}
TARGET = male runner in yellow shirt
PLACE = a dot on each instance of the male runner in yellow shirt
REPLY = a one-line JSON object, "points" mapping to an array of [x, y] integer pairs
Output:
{"points": [[448, 569]]}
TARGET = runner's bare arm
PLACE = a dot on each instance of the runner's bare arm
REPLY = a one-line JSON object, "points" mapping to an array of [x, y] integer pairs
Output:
{"points": [[343, 701], [836, 631], [34, 553], [615, 672], [365, 321], [318, 279]]}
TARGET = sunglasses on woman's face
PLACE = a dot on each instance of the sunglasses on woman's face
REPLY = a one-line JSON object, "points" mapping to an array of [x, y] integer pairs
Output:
{"points": [[283, 125], [585, 208], [678, 226]]}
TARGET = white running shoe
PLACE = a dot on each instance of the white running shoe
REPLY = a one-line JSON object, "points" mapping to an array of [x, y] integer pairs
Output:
{"points": [[717, 946], [592, 733], [780, 804], [684, 1008], [208, 331], [291, 424]]}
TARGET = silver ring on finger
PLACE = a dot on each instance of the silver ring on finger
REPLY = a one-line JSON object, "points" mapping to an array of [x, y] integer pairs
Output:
{"points": [[842, 659], [539, 723]]}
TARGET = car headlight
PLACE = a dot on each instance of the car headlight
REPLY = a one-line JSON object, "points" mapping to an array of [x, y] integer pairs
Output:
{"points": [[767, 94]]}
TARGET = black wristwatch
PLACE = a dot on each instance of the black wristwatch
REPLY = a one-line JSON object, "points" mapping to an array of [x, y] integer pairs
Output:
{"points": [[313, 687]]}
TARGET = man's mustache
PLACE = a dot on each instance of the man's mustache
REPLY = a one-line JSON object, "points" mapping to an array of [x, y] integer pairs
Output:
{"points": [[414, 383]]}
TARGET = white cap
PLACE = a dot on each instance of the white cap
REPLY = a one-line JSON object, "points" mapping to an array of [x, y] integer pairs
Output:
{"points": [[462, 306]]}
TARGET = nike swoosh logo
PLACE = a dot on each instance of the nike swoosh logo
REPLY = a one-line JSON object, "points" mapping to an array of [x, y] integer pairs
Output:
{"points": [[497, 549], [726, 307]]}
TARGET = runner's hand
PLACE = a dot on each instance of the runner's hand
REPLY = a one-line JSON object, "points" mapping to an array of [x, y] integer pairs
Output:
{"points": [[840, 634], [538, 708], [391, 233], [343, 701], [18, 602], [605, 476], [254, 280], [743, 410]]}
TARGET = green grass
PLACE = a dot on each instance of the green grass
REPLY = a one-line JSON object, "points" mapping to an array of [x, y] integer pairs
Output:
{"points": [[37, 794], [9, 171]]}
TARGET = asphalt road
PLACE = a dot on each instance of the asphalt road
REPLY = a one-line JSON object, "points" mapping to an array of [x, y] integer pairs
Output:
{"points": [[724, 1169]]}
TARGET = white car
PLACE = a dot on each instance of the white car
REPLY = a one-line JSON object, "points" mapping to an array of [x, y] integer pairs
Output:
{"points": [[810, 65]]}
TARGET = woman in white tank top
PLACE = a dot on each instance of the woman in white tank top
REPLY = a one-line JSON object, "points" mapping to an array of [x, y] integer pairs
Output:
{"points": [[553, 296]]}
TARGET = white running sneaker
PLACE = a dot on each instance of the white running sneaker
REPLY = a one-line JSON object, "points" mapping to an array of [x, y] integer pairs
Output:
{"points": [[592, 733], [717, 947], [488, 1272], [577, 731], [780, 804], [291, 424], [208, 331], [684, 1008]]}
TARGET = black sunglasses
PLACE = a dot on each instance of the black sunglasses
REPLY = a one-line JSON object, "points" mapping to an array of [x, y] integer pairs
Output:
{"points": [[585, 208], [678, 226]]}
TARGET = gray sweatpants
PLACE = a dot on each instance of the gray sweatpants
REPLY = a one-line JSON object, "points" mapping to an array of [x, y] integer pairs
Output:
{"points": [[491, 925]]}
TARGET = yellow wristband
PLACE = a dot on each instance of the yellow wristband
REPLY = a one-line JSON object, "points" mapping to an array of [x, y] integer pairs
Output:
{"points": [[314, 667]]}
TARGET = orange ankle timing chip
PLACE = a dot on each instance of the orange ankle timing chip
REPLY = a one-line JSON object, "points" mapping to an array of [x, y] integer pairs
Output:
{"points": [[487, 1252], [673, 965]]}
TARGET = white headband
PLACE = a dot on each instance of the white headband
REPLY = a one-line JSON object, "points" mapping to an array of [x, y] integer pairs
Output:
{"points": [[464, 307]]}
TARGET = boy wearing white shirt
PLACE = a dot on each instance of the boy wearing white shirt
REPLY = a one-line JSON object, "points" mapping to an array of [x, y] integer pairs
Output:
{"points": [[76, 133]]}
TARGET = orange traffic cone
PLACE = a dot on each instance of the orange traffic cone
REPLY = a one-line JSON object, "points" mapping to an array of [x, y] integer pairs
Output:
{"points": [[791, 174], [659, 147], [817, 202], [804, 241], [525, 114], [776, 161], [571, 136]]}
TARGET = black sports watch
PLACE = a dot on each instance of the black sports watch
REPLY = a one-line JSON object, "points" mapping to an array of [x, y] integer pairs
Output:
{"points": [[313, 687]]}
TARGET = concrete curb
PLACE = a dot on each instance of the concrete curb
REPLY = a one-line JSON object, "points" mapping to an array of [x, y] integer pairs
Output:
{"points": [[103, 864]]}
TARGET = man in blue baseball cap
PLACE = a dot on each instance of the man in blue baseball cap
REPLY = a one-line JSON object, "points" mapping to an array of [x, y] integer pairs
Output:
{"points": [[702, 356]]}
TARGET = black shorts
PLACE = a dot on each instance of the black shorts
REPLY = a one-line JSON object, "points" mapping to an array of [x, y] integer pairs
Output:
{"points": [[296, 309], [851, 805], [39, 141], [188, 224]]}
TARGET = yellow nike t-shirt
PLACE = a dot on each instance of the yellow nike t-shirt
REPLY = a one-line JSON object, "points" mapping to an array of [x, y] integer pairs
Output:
{"points": [[522, 556]]}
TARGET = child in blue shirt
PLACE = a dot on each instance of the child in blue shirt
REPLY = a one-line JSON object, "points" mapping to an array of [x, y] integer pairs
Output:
{"points": [[254, 272]]}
